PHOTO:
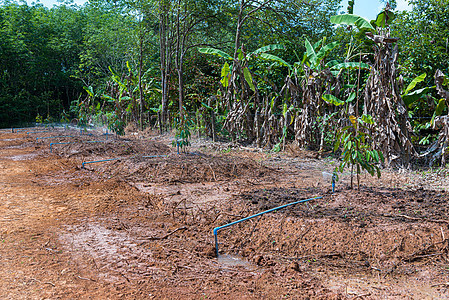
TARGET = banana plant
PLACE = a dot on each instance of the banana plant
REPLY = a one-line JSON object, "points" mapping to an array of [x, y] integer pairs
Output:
{"points": [[313, 57], [409, 96], [259, 53]]}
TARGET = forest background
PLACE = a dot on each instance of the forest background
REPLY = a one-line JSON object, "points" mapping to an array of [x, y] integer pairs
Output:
{"points": [[279, 70]]}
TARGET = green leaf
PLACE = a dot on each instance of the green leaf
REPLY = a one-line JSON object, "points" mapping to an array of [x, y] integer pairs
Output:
{"points": [[368, 119], [319, 43], [324, 51], [332, 63], [225, 75], [249, 79], [414, 83], [350, 19], [89, 90], [284, 109], [240, 56], [267, 48], [384, 18], [351, 65], [440, 107], [332, 100], [438, 110], [108, 98], [311, 55], [206, 106], [213, 51], [128, 66], [414, 96], [275, 58], [337, 143], [375, 155], [351, 97]]}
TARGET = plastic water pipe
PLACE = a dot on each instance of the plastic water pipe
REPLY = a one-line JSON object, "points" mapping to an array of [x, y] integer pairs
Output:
{"points": [[51, 144], [98, 161], [37, 131], [216, 229], [106, 134], [21, 129], [334, 179], [153, 156]]}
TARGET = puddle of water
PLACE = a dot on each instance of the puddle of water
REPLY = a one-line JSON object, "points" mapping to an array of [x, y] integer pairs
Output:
{"points": [[232, 261]]}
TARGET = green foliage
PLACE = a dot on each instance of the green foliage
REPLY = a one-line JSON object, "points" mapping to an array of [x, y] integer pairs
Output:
{"points": [[285, 111], [182, 136], [115, 124], [414, 82], [350, 19], [423, 41], [39, 119], [357, 149], [384, 19], [225, 73], [438, 110], [275, 58], [331, 99], [249, 78], [352, 65], [217, 52], [350, 7], [410, 97]]}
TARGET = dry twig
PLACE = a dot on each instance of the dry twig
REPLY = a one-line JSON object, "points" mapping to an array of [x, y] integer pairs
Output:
{"points": [[440, 284], [47, 282], [168, 234], [84, 278]]}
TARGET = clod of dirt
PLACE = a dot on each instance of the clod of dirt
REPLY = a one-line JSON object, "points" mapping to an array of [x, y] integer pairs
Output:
{"points": [[259, 260], [210, 252], [294, 266]]}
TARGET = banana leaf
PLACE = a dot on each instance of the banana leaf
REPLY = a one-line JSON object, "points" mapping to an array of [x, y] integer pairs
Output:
{"points": [[414, 83], [276, 59], [332, 100], [249, 79], [384, 18], [268, 48], [350, 19], [214, 51], [351, 65], [415, 95]]}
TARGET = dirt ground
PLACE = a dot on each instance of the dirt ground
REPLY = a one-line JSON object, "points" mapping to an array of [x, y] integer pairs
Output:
{"points": [[140, 226]]}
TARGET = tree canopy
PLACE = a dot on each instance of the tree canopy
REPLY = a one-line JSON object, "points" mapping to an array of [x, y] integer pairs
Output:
{"points": [[135, 61]]}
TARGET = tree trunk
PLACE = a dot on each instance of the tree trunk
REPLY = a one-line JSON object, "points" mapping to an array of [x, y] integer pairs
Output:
{"points": [[140, 81]]}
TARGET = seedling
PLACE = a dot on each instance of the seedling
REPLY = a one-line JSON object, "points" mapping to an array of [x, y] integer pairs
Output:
{"points": [[357, 150]]}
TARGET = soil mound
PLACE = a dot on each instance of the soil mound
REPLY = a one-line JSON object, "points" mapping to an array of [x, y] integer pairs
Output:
{"points": [[111, 148], [185, 168]]}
